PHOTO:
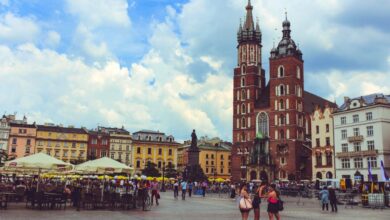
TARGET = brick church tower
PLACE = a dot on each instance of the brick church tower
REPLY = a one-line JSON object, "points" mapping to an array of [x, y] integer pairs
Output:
{"points": [[286, 113], [249, 83]]}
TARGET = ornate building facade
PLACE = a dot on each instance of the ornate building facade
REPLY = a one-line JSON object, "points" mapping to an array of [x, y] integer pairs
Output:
{"points": [[271, 121]]}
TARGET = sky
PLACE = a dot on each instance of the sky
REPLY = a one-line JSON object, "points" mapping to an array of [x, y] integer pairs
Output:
{"points": [[167, 65]]}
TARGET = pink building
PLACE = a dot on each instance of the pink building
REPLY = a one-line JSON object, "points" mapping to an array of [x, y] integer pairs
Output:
{"points": [[21, 140]]}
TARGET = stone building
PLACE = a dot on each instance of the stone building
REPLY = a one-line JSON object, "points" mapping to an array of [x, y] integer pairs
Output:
{"points": [[271, 121]]}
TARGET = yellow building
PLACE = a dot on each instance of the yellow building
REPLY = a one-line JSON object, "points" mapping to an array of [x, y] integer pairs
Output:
{"points": [[65, 143], [155, 147], [214, 157], [322, 143]]}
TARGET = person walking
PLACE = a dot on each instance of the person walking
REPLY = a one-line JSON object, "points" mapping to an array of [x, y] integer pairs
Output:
{"points": [[155, 192], [190, 185], [333, 199], [245, 204], [273, 203], [204, 186], [176, 189], [324, 195], [183, 190]]}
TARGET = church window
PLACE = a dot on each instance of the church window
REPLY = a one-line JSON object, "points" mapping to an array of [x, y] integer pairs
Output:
{"points": [[281, 71], [262, 123], [281, 118], [281, 103], [243, 70], [298, 72], [281, 90], [243, 123], [243, 81], [281, 135], [252, 54], [243, 95], [243, 109]]}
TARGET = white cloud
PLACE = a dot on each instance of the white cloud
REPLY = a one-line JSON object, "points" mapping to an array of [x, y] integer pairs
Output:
{"points": [[4, 2], [100, 12], [15, 29], [53, 39], [215, 64]]}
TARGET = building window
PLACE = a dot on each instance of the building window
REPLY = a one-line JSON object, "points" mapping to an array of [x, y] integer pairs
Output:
{"points": [[112, 155], [212, 156], [356, 132], [207, 156], [159, 164], [159, 151], [327, 128], [27, 150], [319, 159], [357, 146], [317, 142], [370, 131], [138, 150], [358, 162], [221, 170], [344, 134], [243, 83], [281, 103], [243, 109], [369, 116], [329, 159], [371, 161], [281, 72], [28, 142], [138, 164], [14, 141], [343, 120], [370, 145], [282, 120], [221, 156], [94, 141], [127, 157], [212, 163], [243, 122], [355, 118], [345, 163], [170, 152], [344, 148], [282, 160], [104, 142], [73, 145], [317, 129], [103, 153], [207, 170], [149, 150], [13, 149], [207, 162], [327, 141]]}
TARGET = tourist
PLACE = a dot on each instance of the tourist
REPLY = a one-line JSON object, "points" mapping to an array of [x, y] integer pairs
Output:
{"points": [[333, 199], [183, 189], [273, 202], [204, 186], [176, 189], [155, 192], [142, 192], [232, 191], [190, 186], [257, 201], [324, 195], [245, 204]]}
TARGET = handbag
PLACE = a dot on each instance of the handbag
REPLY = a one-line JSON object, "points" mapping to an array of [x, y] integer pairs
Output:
{"points": [[280, 205], [245, 204], [158, 196]]}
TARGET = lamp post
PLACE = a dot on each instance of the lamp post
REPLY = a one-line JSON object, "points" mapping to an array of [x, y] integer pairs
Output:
{"points": [[163, 174]]}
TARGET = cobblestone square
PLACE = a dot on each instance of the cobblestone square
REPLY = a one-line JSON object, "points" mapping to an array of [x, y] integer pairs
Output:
{"points": [[197, 208]]}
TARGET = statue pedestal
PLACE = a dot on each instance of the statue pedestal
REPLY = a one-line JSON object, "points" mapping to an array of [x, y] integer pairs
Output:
{"points": [[193, 157]]}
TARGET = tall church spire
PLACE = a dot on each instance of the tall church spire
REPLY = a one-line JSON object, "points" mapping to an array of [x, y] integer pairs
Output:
{"points": [[249, 25]]}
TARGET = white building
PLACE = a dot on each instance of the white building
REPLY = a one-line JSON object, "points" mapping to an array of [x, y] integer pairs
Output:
{"points": [[362, 136]]}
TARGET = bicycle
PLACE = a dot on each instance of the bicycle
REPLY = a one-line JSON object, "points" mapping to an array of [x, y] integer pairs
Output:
{"points": [[143, 200]]}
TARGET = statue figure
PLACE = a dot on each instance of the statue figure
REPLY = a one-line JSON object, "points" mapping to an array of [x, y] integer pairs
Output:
{"points": [[194, 140]]}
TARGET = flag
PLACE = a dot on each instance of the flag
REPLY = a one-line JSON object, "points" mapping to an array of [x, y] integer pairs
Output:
{"points": [[384, 175], [369, 171]]}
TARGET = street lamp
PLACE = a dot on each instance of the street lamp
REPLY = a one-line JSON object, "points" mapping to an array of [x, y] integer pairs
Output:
{"points": [[163, 174]]}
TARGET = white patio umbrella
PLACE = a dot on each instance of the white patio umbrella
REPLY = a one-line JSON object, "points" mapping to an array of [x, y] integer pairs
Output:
{"points": [[40, 162], [103, 165]]}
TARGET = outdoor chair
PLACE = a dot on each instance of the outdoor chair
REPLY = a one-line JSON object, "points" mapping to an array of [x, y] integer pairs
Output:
{"points": [[20, 193], [61, 200], [87, 201], [3, 202]]}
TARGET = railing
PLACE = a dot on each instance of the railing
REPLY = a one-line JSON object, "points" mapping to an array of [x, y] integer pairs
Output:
{"points": [[358, 153], [358, 138]]}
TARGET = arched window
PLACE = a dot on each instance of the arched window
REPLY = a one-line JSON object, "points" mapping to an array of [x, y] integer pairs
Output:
{"points": [[243, 123], [281, 135], [243, 137], [243, 109], [243, 81], [281, 71], [282, 121], [281, 103], [262, 124], [243, 70], [281, 89], [298, 72], [243, 95]]}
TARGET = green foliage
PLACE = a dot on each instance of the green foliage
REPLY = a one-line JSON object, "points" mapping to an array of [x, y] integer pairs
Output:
{"points": [[170, 171], [151, 170]]}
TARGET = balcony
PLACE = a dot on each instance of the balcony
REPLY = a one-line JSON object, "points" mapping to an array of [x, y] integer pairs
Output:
{"points": [[354, 139], [365, 153]]}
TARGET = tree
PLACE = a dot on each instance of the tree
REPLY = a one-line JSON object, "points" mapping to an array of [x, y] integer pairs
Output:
{"points": [[170, 171], [194, 173], [151, 170]]}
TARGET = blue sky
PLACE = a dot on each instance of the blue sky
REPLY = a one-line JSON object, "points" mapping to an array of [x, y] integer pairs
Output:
{"points": [[167, 65]]}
